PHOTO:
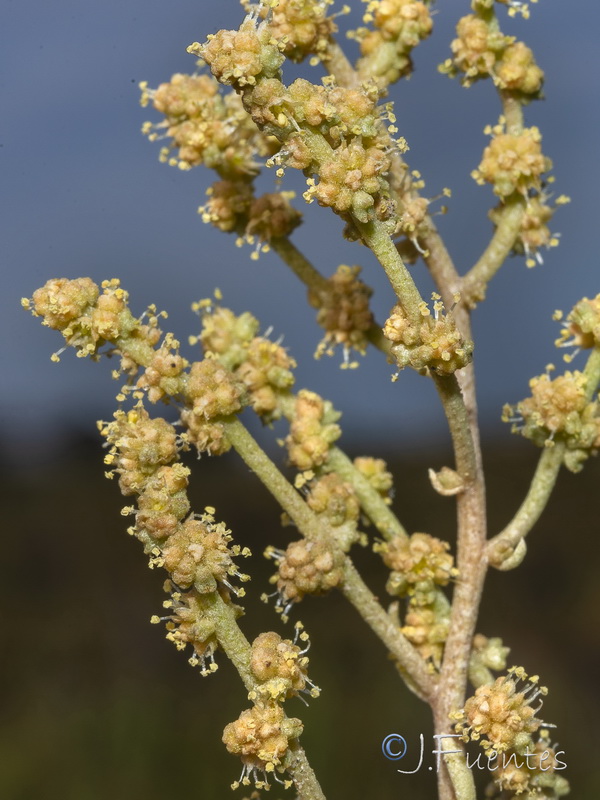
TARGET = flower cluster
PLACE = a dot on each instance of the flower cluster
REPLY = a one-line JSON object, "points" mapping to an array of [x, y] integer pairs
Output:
{"points": [[280, 666], [335, 498], [187, 624], [88, 318], [376, 472], [343, 311], [241, 58], [487, 654], [228, 205], [351, 181], [481, 51], [433, 343], [261, 736], [163, 376], [582, 326], [300, 27], [398, 27], [225, 335], [534, 233], [195, 551], [535, 775], [559, 410], [232, 207], [426, 626], [513, 162], [139, 446], [262, 367], [312, 430], [412, 220], [205, 127], [212, 392], [305, 567], [503, 712], [418, 563], [271, 216], [336, 502], [332, 132]]}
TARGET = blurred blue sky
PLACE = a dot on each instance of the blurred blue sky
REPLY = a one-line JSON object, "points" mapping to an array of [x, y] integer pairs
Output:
{"points": [[84, 194]]}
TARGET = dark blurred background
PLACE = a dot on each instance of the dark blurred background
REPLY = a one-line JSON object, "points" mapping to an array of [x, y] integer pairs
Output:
{"points": [[96, 702]]}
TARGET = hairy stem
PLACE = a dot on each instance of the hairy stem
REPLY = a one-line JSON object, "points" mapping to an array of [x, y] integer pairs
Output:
{"points": [[378, 240], [460, 408], [410, 663], [501, 546], [474, 283], [299, 264]]}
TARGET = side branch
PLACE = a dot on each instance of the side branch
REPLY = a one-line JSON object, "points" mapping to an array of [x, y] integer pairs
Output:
{"points": [[353, 586], [475, 281], [380, 243], [238, 650], [380, 514], [503, 545], [313, 280], [299, 264], [412, 667], [372, 503], [510, 217]]}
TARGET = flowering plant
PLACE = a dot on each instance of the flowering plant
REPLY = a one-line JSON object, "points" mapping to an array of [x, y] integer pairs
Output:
{"points": [[234, 115]]}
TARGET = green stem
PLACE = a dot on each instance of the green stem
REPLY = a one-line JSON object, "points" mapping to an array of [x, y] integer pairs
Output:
{"points": [[229, 635], [512, 110], [460, 774], [378, 240], [475, 282], [338, 65], [267, 472], [414, 670], [299, 264], [305, 780], [592, 373], [459, 424], [502, 546]]}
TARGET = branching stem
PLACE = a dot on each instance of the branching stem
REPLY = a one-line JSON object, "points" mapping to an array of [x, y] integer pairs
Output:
{"points": [[311, 527]]}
